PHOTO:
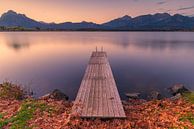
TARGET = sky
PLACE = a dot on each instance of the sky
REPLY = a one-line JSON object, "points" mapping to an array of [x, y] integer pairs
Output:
{"points": [[97, 11]]}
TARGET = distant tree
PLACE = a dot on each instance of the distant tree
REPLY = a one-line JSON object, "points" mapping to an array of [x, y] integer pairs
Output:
{"points": [[37, 28], [2, 28]]}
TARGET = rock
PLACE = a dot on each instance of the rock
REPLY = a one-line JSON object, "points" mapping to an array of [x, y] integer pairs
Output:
{"points": [[154, 95], [133, 95], [124, 102], [177, 96], [56, 94], [178, 88]]}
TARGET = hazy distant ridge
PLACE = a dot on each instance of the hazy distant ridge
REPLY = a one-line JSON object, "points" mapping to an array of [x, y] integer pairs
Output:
{"points": [[159, 21]]}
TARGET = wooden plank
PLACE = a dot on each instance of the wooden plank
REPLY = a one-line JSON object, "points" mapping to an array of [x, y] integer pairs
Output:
{"points": [[100, 109], [98, 93], [116, 94], [90, 99], [112, 95], [108, 95], [81, 94], [94, 106], [84, 112]]}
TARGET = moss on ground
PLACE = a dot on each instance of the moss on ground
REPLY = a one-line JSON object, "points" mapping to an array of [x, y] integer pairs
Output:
{"points": [[26, 112], [188, 117], [189, 97]]}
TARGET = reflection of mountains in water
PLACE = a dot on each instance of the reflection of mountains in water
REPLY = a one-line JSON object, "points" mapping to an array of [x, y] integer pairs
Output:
{"points": [[123, 40], [18, 46], [152, 43], [163, 44]]}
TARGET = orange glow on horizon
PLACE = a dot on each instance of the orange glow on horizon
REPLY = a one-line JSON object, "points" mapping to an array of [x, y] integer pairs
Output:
{"points": [[87, 10]]}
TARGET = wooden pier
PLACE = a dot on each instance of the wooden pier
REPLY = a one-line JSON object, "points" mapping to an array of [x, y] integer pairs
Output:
{"points": [[98, 96]]}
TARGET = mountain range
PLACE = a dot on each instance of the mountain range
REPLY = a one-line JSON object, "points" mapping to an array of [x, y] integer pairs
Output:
{"points": [[159, 21]]}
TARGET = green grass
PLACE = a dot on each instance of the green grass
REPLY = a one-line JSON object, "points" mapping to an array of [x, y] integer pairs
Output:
{"points": [[1, 116], [189, 97], [20, 119], [189, 117]]}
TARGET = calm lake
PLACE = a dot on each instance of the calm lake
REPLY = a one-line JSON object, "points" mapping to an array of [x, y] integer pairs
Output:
{"points": [[141, 61]]}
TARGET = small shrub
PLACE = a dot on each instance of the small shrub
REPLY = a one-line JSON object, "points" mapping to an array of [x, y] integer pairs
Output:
{"points": [[189, 97], [11, 91]]}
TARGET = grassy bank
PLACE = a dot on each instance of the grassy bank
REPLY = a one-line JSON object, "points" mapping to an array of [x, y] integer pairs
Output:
{"points": [[19, 110]]}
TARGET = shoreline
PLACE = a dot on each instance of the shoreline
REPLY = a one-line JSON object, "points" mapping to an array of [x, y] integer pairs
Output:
{"points": [[19, 110], [50, 113]]}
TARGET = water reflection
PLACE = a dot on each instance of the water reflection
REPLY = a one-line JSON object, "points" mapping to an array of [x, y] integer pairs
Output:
{"points": [[18, 46], [141, 61]]}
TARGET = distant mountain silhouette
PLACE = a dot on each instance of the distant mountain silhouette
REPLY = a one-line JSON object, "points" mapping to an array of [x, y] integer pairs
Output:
{"points": [[11, 18], [74, 26], [119, 22], [159, 21]]}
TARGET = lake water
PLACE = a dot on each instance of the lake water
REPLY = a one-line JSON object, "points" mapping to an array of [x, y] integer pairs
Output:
{"points": [[141, 61]]}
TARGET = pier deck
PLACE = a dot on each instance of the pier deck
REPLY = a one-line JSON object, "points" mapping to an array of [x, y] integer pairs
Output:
{"points": [[98, 96]]}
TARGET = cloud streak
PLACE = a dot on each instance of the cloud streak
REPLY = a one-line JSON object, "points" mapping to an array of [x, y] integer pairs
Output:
{"points": [[162, 2], [186, 8]]}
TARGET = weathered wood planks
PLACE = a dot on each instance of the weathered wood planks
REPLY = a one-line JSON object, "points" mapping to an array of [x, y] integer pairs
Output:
{"points": [[98, 96]]}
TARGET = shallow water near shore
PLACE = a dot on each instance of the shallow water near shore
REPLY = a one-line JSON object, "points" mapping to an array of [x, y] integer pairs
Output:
{"points": [[140, 61]]}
